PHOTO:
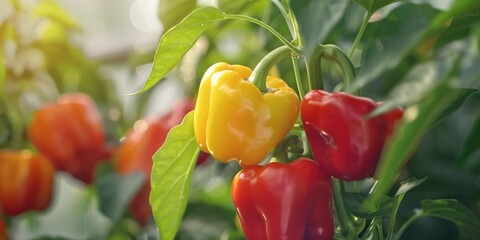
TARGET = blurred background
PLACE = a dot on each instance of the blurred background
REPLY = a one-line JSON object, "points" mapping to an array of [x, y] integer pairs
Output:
{"points": [[104, 49]]}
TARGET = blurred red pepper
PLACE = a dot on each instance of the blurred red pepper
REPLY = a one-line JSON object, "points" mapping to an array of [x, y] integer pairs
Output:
{"points": [[284, 201], [70, 133], [345, 143], [3, 230], [26, 182], [137, 149]]}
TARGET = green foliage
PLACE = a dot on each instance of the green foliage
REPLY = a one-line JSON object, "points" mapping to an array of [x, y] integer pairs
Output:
{"points": [[74, 214], [451, 210], [177, 41], [172, 171], [116, 192], [373, 5], [417, 120], [171, 13]]}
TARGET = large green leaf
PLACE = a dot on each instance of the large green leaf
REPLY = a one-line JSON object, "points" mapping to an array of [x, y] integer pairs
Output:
{"points": [[173, 166], [417, 119], [317, 19], [451, 210], [74, 214], [177, 41], [117, 191]]}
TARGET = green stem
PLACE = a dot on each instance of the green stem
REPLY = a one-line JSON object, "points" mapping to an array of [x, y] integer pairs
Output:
{"points": [[260, 73], [267, 27], [406, 225], [345, 219], [393, 216], [334, 53], [360, 34], [314, 68], [297, 36], [298, 78]]}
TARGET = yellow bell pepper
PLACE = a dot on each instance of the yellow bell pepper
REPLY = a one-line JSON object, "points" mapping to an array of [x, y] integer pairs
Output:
{"points": [[234, 120]]}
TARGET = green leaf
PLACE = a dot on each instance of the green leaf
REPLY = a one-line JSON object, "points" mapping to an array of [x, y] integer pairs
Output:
{"points": [[205, 221], [460, 26], [454, 211], [409, 184], [117, 191], [471, 144], [172, 171], [416, 121], [74, 214], [172, 12], [416, 84], [354, 204], [177, 41], [373, 5], [315, 27], [390, 40]]}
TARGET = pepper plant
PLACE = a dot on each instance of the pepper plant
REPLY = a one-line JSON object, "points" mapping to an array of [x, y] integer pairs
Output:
{"points": [[324, 153]]}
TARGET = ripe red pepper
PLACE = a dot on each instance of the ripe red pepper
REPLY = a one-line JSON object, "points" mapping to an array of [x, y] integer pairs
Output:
{"points": [[345, 143], [284, 201], [136, 151], [70, 133], [26, 182]]}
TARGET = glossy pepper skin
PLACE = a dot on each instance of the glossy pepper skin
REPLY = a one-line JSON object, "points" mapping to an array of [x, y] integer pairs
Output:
{"points": [[233, 120], [70, 132], [137, 149], [284, 201], [342, 140], [26, 182]]}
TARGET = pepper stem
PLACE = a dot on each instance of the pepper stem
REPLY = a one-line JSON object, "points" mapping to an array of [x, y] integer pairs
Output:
{"points": [[260, 73], [334, 53]]}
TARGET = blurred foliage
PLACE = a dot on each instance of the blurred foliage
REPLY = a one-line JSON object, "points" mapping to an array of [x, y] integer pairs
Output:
{"points": [[421, 54]]}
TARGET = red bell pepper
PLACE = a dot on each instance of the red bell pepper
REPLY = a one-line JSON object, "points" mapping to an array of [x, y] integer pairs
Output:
{"points": [[284, 201], [136, 151], [345, 143], [26, 182], [70, 133]]}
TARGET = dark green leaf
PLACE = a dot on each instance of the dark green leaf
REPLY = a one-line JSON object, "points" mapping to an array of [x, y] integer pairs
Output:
{"points": [[417, 83], [390, 40], [117, 191], [409, 185], [460, 26], [317, 19], [177, 41], [373, 5], [416, 121], [354, 204], [173, 166], [74, 214], [454, 105], [172, 12], [452, 210], [204, 221], [471, 144]]}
